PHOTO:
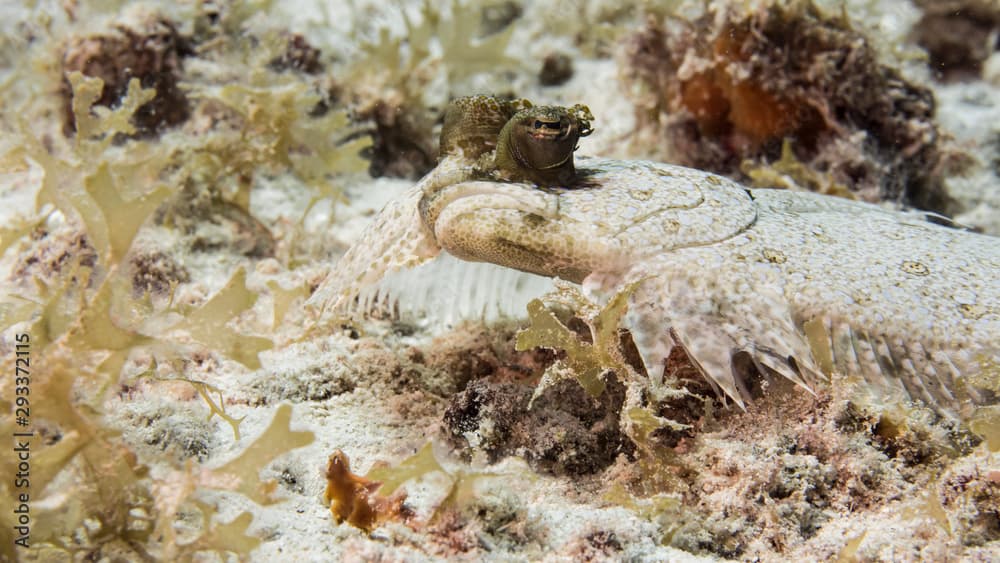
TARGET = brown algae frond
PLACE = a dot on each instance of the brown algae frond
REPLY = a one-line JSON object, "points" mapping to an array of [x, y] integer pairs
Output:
{"points": [[153, 54], [356, 500], [99, 192]]}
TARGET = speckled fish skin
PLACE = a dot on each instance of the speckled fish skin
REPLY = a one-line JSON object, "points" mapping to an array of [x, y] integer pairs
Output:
{"points": [[800, 284]]}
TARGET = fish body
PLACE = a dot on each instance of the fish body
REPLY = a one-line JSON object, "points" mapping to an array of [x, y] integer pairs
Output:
{"points": [[771, 281], [800, 284]]}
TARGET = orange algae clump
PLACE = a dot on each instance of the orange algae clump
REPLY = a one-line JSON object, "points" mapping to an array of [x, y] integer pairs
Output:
{"points": [[720, 101], [731, 85], [355, 499]]}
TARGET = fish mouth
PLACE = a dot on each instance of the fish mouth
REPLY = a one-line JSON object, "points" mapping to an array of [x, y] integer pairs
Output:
{"points": [[548, 134]]}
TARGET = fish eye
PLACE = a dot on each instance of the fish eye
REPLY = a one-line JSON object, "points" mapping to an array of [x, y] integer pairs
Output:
{"points": [[557, 125]]}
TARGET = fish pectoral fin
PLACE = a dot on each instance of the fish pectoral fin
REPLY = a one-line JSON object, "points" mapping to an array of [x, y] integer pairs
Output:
{"points": [[729, 341], [708, 346], [769, 362], [714, 355], [729, 364]]}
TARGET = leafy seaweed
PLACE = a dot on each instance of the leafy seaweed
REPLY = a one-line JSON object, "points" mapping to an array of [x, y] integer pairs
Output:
{"points": [[588, 361], [282, 300], [454, 31], [985, 421], [790, 173], [85, 326], [241, 474], [370, 501], [208, 323], [414, 467], [223, 538], [98, 126]]}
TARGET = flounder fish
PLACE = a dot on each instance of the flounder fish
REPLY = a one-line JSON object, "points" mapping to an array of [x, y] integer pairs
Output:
{"points": [[796, 284]]}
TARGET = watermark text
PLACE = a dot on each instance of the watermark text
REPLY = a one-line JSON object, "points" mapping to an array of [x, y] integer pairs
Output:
{"points": [[21, 438]]}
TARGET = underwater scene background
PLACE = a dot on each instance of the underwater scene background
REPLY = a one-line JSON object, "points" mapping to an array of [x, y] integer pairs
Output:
{"points": [[178, 179]]}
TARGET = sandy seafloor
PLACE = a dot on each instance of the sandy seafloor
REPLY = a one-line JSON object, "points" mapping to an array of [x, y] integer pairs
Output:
{"points": [[793, 478]]}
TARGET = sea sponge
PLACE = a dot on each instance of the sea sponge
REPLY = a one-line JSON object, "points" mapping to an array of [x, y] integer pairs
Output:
{"points": [[959, 35], [731, 85]]}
